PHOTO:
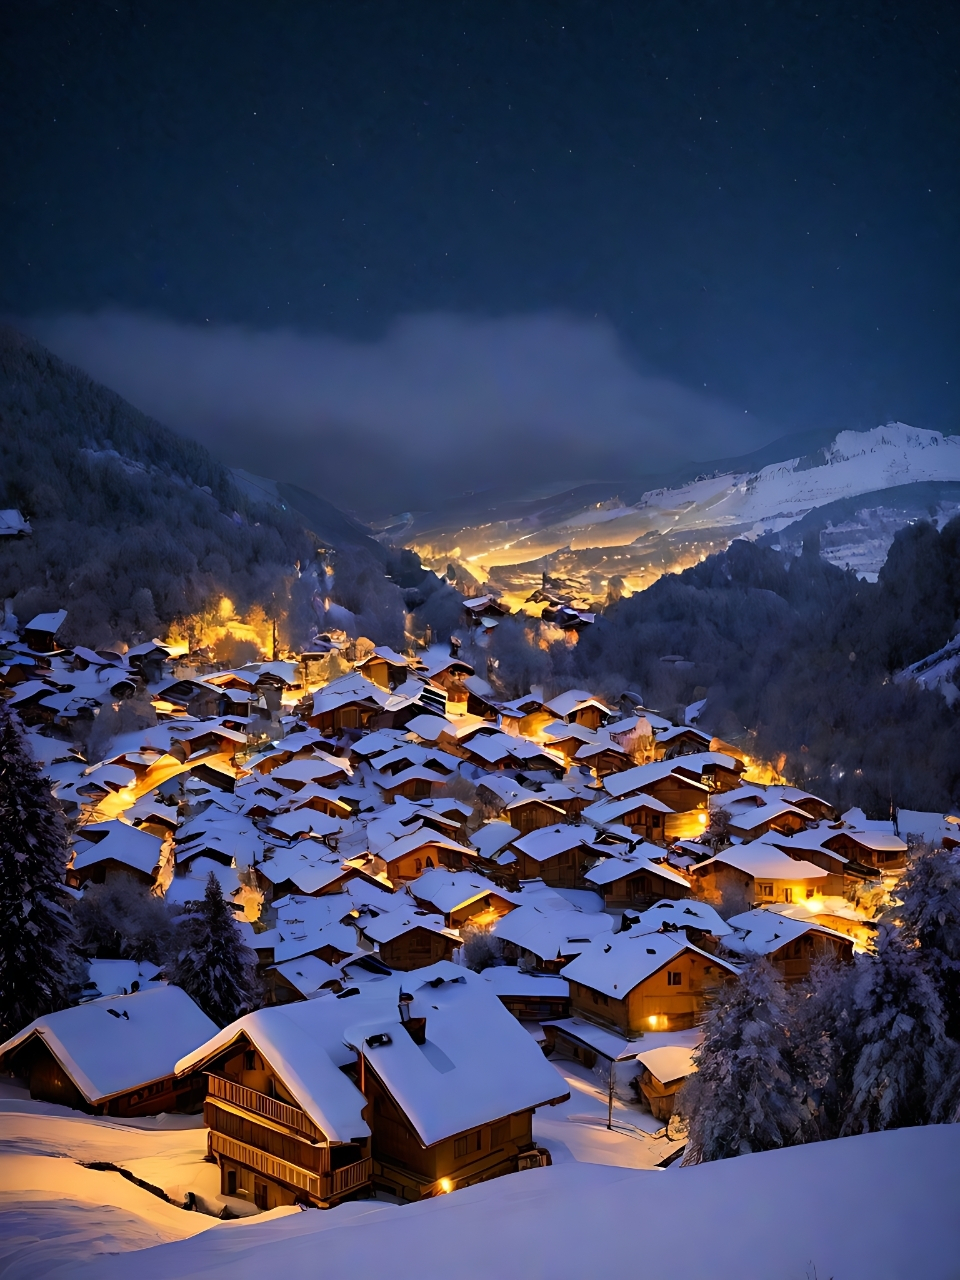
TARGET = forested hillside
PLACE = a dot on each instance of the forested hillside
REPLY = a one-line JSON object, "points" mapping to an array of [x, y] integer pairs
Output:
{"points": [[133, 525], [796, 659]]}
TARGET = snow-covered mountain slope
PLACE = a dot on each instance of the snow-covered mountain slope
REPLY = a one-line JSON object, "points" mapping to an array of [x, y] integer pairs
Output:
{"points": [[669, 528]]}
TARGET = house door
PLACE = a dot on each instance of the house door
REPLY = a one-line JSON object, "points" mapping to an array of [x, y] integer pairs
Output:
{"points": [[260, 1194]]}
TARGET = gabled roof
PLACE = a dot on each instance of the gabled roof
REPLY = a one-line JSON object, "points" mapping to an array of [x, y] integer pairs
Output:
{"points": [[449, 890], [121, 842], [668, 1062], [552, 929], [394, 924], [763, 861], [286, 1038], [606, 811], [609, 870], [492, 837], [761, 932], [631, 781], [617, 964], [565, 704], [417, 840], [478, 1064], [112, 1045], [547, 842], [685, 913]]}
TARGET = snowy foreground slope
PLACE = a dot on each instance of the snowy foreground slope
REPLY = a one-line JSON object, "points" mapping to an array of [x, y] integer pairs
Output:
{"points": [[878, 1207]]}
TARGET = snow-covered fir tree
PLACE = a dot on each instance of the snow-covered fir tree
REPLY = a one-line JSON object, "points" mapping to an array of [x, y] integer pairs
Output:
{"points": [[901, 1055], [211, 962], [823, 1044], [928, 911], [744, 1096], [38, 960]]}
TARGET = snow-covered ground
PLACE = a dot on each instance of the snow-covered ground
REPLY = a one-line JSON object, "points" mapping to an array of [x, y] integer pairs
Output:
{"points": [[54, 1212], [877, 1207]]}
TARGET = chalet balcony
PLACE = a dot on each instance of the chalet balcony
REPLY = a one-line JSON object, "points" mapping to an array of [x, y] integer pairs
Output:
{"points": [[323, 1186], [261, 1104]]}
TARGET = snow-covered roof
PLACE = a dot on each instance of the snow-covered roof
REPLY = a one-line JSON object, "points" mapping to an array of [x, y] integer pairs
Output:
{"points": [[669, 1062], [308, 974], [492, 837], [565, 704], [417, 840], [605, 811], [685, 913], [286, 1038], [116, 977], [552, 929], [430, 727], [616, 964], [761, 932], [749, 817], [302, 822], [394, 924], [349, 688], [477, 1064], [308, 865], [640, 776], [51, 622], [447, 890], [547, 842], [112, 1045], [509, 980], [123, 843], [609, 870], [765, 862]]}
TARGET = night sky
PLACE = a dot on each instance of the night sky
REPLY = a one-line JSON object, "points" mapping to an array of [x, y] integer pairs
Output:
{"points": [[398, 250]]}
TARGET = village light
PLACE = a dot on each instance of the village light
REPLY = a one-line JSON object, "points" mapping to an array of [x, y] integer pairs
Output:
{"points": [[445, 1186]]}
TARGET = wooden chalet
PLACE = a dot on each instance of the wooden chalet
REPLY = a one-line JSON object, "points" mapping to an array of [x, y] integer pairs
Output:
{"points": [[635, 881], [461, 897], [408, 857], [115, 1056], [108, 851], [635, 982], [40, 634], [531, 812], [792, 946], [663, 1071], [578, 706], [408, 938], [881, 850], [679, 740], [286, 1124], [453, 1083], [351, 702], [385, 667], [642, 814], [556, 855], [757, 872]]}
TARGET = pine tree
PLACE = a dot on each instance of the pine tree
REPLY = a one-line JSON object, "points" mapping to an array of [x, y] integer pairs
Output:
{"points": [[211, 962], [744, 1096], [902, 1056], [824, 1045], [928, 912], [38, 960]]}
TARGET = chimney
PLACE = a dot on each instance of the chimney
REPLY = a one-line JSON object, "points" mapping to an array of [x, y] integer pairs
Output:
{"points": [[416, 1028]]}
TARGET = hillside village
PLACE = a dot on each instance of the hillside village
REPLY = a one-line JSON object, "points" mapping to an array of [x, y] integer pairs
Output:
{"points": [[461, 909]]}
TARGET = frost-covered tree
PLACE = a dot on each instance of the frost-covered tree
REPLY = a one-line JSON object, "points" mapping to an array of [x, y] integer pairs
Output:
{"points": [[744, 1096], [901, 1054], [123, 920], [928, 911], [823, 1044], [211, 962], [38, 961]]}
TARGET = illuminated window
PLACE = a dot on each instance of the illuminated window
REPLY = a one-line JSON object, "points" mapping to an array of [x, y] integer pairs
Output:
{"points": [[810, 893], [674, 978], [788, 895], [765, 890]]}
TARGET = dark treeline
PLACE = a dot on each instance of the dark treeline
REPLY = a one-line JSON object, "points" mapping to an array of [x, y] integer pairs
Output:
{"points": [[796, 659]]}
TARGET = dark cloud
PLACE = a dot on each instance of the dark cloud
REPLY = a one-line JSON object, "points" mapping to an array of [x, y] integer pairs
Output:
{"points": [[440, 404]]}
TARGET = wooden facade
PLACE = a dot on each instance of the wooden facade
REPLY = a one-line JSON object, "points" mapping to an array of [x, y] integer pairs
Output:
{"points": [[716, 882], [49, 1081], [533, 814], [795, 959], [269, 1150], [406, 1168], [671, 999], [417, 948], [563, 871], [641, 889]]}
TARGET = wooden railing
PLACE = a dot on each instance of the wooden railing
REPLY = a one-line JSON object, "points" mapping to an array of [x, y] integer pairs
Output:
{"points": [[266, 1164], [262, 1104], [350, 1177], [325, 1186]]}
